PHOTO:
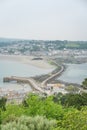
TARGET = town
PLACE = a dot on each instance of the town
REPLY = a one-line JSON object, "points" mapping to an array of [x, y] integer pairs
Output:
{"points": [[56, 48]]}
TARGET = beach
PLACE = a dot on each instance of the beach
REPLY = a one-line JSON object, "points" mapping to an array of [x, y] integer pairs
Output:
{"points": [[28, 60]]}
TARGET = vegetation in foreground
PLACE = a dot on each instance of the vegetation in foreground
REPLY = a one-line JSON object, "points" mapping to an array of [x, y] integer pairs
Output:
{"points": [[58, 112]]}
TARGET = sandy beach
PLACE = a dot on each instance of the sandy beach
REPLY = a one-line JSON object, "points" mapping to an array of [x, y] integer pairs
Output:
{"points": [[28, 60]]}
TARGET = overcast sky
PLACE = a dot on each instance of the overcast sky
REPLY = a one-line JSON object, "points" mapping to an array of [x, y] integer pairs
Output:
{"points": [[44, 19]]}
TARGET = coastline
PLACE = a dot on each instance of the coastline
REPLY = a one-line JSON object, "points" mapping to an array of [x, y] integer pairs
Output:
{"points": [[53, 76], [28, 60]]}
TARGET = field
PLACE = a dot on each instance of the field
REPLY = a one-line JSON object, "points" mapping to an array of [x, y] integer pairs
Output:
{"points": [[72, 45]]}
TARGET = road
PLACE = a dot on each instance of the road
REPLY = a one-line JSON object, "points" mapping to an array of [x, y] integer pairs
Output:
{"points": [[43, 84], [30, 81]]}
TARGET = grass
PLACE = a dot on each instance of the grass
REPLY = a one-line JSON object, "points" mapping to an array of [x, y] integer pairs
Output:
{"points": [[72, 45]]}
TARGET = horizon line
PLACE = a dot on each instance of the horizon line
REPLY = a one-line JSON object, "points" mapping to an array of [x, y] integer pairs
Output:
{"points": [[39, 39]]}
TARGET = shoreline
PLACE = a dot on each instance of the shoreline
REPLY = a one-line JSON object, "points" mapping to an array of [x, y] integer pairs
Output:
{"points": [[28, 60]]}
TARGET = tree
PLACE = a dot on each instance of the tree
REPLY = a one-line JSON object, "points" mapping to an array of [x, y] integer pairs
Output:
{"points": [[74, 120], [84, 84], [2, 107], [75, 100], [3, 101], [72, 89]]}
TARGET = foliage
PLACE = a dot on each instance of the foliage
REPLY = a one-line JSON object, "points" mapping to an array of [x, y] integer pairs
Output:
{"points": [[68, 110], [75, 100], [16, 110], [43, 106], [30, 123], [84, 84], [74, 120], [72, 89], [3, 101], [35, 105]]}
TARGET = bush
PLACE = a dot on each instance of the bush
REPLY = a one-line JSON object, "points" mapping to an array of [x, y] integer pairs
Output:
{"points": [[30, 123]]}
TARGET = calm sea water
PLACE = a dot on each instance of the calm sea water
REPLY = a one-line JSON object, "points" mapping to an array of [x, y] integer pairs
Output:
{"points": [[13, 68], [75, 73]]}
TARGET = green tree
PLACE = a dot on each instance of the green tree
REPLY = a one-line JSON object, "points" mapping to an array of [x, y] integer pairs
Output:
{"points": [[43, 106], [16, 110], [74, 120], [84, 84], [72, 89], [75, 100], [3, 101]]}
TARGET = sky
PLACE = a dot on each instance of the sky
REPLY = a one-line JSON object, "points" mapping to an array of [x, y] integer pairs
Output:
{"points": [[44, 19]]}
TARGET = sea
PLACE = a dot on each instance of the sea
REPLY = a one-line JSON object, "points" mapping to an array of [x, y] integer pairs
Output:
{"points": [[74, 73], [15, 68]]}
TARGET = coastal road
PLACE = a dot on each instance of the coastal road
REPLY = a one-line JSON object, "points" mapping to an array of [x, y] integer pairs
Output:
{"points": [[43, 84]]}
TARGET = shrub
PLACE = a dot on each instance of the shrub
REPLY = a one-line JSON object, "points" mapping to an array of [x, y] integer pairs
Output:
{"points": [[30, 123]]}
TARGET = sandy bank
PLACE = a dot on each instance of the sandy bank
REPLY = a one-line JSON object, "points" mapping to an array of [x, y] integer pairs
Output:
{"points": [[27, 60]]}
